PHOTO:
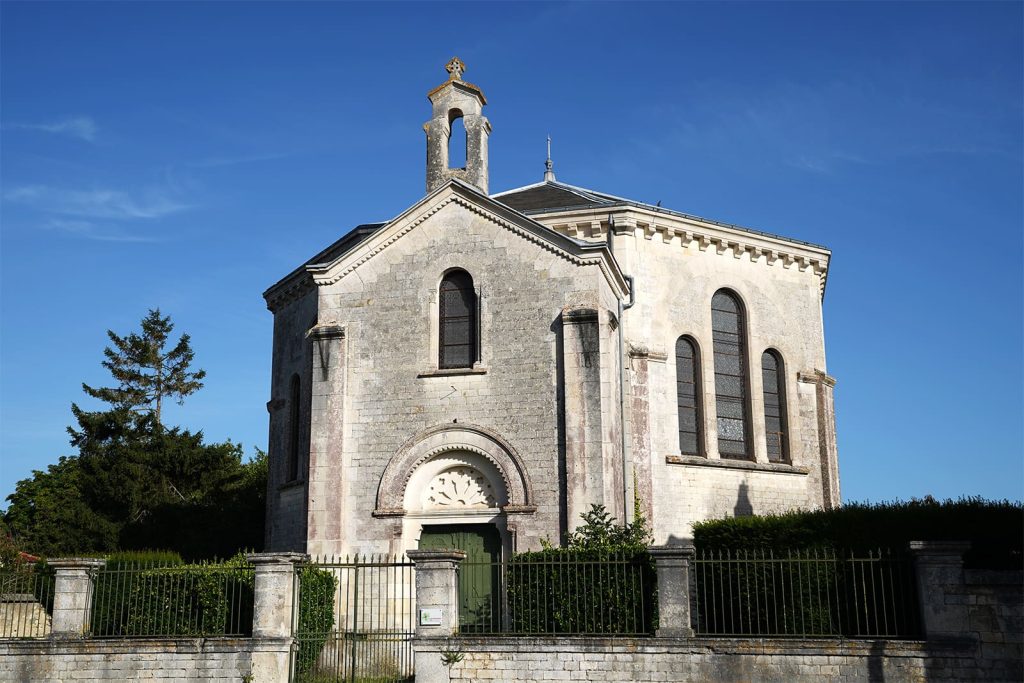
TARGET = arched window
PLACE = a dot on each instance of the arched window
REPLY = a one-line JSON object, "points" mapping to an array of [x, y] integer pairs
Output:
{"points": [[774, 378], [293, 430], [691, 439], [727, 326], [458, 321]]}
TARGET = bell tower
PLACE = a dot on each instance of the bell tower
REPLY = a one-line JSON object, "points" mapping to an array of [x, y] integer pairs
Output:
{"points": [[453, 100]]}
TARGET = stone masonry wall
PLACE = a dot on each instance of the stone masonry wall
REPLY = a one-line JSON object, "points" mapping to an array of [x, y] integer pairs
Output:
{"points": [[181, 660], [533, 660], [388, 307]]}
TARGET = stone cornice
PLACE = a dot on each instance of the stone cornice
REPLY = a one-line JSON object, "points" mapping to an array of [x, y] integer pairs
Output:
{"points": [[815, 377], [685, 231]]}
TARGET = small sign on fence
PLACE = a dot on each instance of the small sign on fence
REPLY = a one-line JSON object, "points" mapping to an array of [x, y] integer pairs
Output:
{"points": [[430, 617]]}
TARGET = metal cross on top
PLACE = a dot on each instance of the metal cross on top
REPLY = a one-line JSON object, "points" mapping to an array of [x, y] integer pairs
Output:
{"points": [[456, 67]]}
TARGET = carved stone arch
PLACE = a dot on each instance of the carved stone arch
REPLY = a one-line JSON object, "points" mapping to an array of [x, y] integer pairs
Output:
{"points": [[454, 437]]}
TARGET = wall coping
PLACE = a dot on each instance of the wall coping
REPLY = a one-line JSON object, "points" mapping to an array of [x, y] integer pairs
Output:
{"points": [[29, 646], [420, 556], [288, 558], [77, 562], [748, 646]]}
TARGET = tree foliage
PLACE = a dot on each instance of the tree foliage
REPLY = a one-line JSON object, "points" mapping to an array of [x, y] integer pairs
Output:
{"points": [[601, 532], [135, 483], [145, 373]]}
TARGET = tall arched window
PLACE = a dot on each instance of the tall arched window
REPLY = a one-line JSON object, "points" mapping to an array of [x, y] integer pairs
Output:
{"points": [[728, 334], [774, 378], [691, 439], [293, 429], [458, 321]]}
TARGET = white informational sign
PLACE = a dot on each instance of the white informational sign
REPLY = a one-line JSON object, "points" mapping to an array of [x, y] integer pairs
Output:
{"points": [[430, 617]]}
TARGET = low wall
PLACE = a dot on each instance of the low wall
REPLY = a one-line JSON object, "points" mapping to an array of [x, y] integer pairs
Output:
{"points": [[695, 659], [177, 659]]}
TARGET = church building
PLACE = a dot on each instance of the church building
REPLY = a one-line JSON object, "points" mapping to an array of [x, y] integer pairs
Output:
{"points": [[484, 367]]}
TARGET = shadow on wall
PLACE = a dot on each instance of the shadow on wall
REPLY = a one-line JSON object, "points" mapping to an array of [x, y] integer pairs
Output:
{"points": [[744, 508]]}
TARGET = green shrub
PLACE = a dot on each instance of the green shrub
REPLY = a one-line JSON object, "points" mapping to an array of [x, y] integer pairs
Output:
{"points": [[115, 582], [579, 590], [994, 528], [163, 596], [316, 615], [603, 582]]}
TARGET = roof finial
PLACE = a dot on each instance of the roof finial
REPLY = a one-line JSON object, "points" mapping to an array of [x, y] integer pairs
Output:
{"points": [[455, 68], [549, 166]]}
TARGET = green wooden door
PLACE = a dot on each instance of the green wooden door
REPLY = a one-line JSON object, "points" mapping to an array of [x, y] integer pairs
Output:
{"points": [[479, 574]]}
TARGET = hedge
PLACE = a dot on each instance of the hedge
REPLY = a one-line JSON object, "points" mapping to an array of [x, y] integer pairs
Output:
{"points": [[582, 591], [316, 614], [994, 528]]}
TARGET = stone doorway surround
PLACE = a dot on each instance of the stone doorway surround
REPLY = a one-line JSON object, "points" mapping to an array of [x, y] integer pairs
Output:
{"points": [[455, 474]]}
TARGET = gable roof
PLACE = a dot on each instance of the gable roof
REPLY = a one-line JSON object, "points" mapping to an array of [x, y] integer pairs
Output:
{"points": [[365, 241], [551, 196]]}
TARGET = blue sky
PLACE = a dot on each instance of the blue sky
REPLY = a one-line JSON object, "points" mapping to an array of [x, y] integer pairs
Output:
{"points": [[186, 156]]}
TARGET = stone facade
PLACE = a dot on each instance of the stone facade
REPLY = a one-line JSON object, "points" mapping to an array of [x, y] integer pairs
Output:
{"points": [[580, 298]]}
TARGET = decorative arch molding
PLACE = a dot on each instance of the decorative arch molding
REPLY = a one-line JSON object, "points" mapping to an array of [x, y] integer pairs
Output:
{"points": [[454, 437]]}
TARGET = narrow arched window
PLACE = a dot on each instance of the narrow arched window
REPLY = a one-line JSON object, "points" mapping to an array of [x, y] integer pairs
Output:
{"points": [[688, 397], [293, 429], [458, 321], [774, 378], [727, 326]]}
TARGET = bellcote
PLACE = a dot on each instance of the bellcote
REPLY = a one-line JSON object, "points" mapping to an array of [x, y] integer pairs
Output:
{"points": [[453, 100]]}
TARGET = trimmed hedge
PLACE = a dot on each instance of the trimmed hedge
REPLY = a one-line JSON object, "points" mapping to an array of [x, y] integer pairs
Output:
{"points": [[192, 600], [582, 591], [110, 608], [316, 614], [994, 528]]}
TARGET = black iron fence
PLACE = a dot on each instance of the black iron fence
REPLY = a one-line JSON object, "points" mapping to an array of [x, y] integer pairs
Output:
{"points": [[26, 601], [805, 593], [559, 592], [148, 599], [355, 620]]}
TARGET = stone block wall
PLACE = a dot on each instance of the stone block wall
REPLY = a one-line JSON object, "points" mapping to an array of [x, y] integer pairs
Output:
{"points": [[179, 659], [535, 660]]}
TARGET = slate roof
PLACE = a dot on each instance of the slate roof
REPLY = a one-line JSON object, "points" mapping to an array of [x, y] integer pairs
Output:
{"points": [[551, 195]]}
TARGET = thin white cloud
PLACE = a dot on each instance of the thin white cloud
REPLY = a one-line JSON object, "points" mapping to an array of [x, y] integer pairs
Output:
{"points": [[80, 127], [97, 203], [99, 233], [214, 162]]}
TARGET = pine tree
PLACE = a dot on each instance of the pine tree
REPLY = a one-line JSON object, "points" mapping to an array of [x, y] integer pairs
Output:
{"points": [[145, 372]]}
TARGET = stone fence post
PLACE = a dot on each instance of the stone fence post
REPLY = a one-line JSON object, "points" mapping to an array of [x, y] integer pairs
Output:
{"points": [[437, 609], [672, 564], [276, 589], [437, 591], [72, 595], [939, 570]]}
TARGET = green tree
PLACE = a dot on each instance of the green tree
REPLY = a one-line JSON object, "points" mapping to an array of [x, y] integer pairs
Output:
{"points": [[48, 516], [135, 483], [145, 372]]}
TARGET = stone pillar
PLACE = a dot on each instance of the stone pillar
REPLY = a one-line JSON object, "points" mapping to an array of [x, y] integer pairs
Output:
{"points": [[641, 450], [437, 591], [276, 594], [672, 563], [581, 382], [326, 439], [939, 570], [72, 595], [437, 609], [828, 451]]}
